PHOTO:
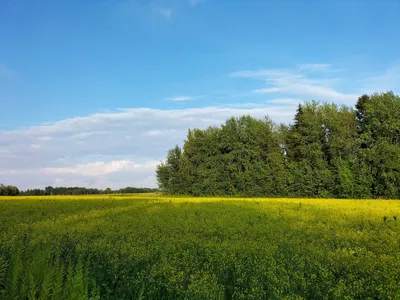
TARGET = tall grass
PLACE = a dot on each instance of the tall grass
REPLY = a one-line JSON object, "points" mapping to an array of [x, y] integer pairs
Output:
{"points": [[189, 248], [40, 272]]}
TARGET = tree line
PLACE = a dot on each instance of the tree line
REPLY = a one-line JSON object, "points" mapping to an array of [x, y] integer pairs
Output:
{"points": [[11, 190], [8, 190], [328, 151]]}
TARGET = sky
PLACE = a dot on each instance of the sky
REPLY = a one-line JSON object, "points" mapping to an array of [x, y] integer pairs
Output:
{"points": [[93, 93]]}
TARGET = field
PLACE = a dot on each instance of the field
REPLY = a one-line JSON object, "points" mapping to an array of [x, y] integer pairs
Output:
{"points": [[152, 247]]}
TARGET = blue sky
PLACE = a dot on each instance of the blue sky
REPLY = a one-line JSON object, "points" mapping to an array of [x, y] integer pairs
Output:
{"points": [[93, 92]]}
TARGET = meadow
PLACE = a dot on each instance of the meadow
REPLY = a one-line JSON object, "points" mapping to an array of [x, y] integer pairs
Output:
{"points": [[158, 247]]}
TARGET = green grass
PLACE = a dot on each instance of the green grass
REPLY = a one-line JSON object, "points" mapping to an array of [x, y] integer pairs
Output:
{"points": [[152, 247]]}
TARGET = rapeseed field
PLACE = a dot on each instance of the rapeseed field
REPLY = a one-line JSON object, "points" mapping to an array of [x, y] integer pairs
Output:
{"points": [[159, 247]]}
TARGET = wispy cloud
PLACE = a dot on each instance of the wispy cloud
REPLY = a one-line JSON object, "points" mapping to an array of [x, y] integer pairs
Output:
{"points": [[195, 2], [281, 103], [285, 101], [299, 82], [159, 132], [109, 149], [166, 12], [122, 147], [141, 10], [389, 80], [315, 67], [99, 168], [180, 98], [6, 72]]}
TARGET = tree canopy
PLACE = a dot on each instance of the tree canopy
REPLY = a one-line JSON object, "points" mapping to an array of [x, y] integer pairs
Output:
{"points": [[328, 151], [8, 190]]}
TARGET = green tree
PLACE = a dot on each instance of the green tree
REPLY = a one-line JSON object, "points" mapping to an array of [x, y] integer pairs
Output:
{"points": [[9, 190], [305, 144], [378, 118], [168, 173], [328, 151]]}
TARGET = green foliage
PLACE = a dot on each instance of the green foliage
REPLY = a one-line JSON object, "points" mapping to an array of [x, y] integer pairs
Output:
{"points": [[169, 173], [328, 151], [50, 191], [8, 190], [198, 248], [237, 159], [379, 127], [38, 272]]}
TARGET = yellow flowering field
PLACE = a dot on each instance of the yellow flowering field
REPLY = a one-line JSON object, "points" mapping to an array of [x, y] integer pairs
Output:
{"points": [[159, 247]]}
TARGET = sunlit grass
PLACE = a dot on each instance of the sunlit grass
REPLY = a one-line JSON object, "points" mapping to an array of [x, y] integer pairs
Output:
{"points": [[161, 247]]}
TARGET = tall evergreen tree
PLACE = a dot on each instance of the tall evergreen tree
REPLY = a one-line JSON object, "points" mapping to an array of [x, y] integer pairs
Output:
{"points": [[308, 166], [168, 173], [378, 118]]}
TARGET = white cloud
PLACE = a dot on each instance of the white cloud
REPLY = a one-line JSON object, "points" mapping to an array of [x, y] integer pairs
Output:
{"points": [[195, 2], [158, 132], [113, 149], [315, 67], [180, 98], [115, 174], [299, 83], [122, 147], [166, 12], [102, 168], [267, 90], [282, 103], [389, 80], [6, 72], [285, 101], [142, 10]]}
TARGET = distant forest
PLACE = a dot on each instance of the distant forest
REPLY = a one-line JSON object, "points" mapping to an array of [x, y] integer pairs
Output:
{"points": [[328, 151], [10, 190]]}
